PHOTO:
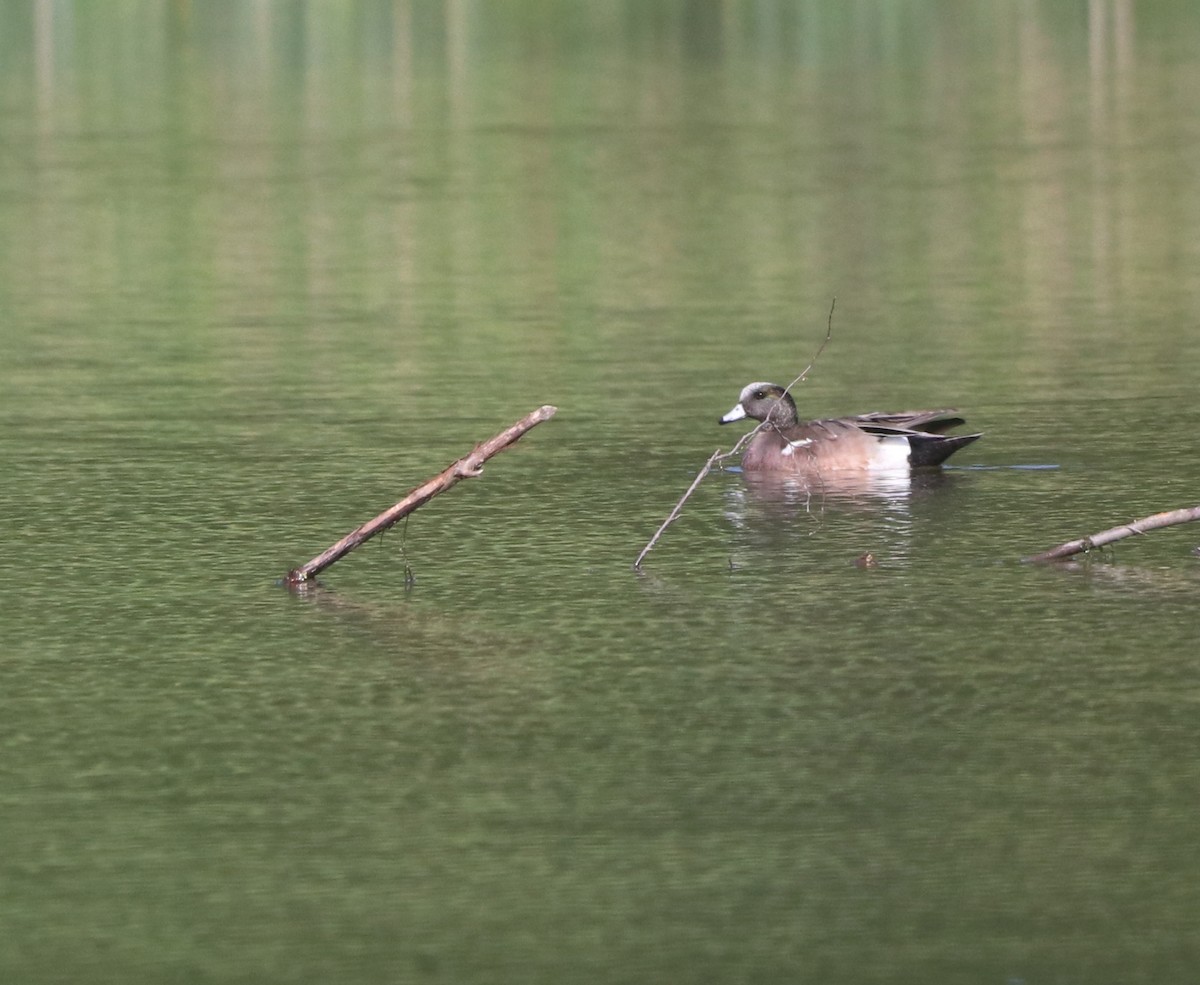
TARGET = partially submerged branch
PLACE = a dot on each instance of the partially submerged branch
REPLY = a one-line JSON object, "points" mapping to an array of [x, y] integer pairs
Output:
{"points": [[467, 467], [715, 457], [720, 456], [1083, 544]]}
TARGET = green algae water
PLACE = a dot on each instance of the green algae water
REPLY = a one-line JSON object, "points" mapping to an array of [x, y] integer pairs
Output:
{"points": [[266, 267]]}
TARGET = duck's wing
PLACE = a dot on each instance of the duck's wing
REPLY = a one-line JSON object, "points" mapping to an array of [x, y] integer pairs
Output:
{"points": [[929, 421], [928, 446]]}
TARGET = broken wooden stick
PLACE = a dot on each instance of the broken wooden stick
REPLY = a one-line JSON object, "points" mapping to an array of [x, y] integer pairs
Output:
{"points": [[1167, 519], [467, 467]]}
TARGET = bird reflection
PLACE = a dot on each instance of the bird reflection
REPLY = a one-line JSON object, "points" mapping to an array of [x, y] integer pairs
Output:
{"points": [[773, 508], [811, 490]]}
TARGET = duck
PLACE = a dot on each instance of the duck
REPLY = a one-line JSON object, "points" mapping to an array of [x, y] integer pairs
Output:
{"points": [[910, 439]]}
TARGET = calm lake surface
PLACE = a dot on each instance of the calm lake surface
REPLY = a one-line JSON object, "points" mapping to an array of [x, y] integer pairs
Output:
{"points": [[266, 266]]}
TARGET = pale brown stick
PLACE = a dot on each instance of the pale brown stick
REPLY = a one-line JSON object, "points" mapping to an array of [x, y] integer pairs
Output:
{"points": [[1168, 519], [467, 467], [720, 456], [821, 348], [714, 457]]}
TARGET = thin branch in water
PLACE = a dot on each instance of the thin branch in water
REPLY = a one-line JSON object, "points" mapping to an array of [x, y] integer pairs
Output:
{"points": [[712, 459], [1084, 544], [720, 456]]}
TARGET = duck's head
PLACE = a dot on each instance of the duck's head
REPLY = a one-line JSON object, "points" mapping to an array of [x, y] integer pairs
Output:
{"points": [[763, 402]]}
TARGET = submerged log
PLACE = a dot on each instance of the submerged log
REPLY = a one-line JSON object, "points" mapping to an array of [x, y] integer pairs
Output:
{"points": [[1072, 547], [467, 467]]}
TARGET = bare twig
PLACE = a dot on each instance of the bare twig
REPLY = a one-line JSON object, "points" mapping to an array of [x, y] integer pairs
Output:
{"points": [[720, 456], [796, 382], [1167, 519], [821, 348], [712, 459], [467, 467]]}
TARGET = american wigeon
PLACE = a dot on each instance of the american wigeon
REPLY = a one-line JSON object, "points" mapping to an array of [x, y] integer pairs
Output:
{"points": [[907, 439]]}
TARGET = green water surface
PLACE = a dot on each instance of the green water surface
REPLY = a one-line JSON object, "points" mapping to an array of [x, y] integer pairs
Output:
{"points": [[267, 266]]}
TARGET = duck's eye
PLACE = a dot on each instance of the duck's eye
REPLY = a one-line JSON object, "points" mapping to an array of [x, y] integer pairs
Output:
{"points": [[760, 395]]}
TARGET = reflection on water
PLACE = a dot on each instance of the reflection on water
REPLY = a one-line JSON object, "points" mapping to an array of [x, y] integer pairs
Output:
{"points": [[876, 488], [771, 509], [1116, 569]]}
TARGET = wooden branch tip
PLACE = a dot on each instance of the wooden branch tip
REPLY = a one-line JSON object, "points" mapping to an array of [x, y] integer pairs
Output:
{"points": [[1085, 544], [470, 466]]}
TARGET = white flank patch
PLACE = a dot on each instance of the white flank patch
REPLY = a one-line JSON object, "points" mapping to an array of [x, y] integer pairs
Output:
{"points": [[791, 446], [892, 453]]}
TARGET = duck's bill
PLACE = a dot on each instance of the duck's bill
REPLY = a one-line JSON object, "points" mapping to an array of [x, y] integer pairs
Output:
{"points": [[736, 414]]}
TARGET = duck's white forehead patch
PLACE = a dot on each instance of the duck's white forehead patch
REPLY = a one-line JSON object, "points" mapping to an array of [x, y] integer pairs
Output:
{"points": [[736, 414], [750, 389]]}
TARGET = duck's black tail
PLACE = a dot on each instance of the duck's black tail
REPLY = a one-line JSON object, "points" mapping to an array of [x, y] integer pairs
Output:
{"points": [[930, 450]]}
